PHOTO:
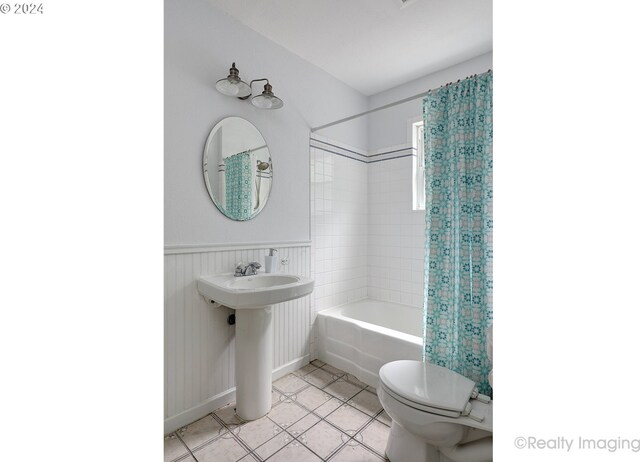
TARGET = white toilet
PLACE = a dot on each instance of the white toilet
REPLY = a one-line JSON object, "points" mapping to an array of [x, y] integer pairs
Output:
{"points": [[437, 415]]}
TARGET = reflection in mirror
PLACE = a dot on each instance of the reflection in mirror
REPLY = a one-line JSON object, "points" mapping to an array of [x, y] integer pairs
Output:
{"points": [[237, 168]]}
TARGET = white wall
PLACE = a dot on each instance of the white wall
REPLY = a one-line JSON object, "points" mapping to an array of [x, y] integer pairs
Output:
{"points": [[201, 42], [389, 126]]}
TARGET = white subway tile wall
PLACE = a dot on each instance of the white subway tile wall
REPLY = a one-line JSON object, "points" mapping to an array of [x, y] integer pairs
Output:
{"points": [[339, 220], [395, 270], [367, 241], [338, 228]]}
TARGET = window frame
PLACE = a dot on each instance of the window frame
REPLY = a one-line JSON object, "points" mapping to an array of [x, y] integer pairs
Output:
{"points": [[418, 171]]}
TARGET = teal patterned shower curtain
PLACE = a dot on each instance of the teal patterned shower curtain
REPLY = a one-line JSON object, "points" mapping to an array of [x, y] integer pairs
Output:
{"points": [[238, 185], [459, 220]]}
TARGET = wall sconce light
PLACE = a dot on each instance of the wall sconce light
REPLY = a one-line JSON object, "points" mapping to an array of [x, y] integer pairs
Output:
{"points": [[234, 86]]}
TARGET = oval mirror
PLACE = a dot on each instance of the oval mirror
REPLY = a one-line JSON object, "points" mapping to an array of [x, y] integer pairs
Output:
{"points": [[237, 168]]}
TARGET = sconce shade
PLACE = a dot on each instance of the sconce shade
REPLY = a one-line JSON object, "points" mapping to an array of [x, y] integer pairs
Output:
{"points": [[267, 100], [233, 85]]}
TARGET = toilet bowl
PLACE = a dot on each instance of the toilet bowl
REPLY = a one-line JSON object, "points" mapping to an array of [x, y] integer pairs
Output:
{"points": [[437, 415]]}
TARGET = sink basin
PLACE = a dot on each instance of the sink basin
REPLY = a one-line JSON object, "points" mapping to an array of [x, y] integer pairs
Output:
{"points": [[262, 281], [252, 297], [253, 291]]}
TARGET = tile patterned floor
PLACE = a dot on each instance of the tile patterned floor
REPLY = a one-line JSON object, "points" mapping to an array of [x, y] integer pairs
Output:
{"points": [[319, 413]]}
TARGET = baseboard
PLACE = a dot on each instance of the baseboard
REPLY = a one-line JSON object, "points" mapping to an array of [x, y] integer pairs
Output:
{"points": [[290, 367], [198, 411]]}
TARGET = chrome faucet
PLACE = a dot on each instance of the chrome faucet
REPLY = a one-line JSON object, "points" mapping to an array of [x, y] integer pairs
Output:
{"points": [[250, 270]]}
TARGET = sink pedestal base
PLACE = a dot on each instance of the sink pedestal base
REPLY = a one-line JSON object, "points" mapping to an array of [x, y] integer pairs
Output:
{"points": [[254, 361]]}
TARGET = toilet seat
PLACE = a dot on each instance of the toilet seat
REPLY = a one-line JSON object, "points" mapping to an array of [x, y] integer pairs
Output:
{"points": [[430, 388]]}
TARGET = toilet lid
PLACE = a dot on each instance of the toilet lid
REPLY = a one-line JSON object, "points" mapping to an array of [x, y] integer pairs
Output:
{"points": [[427, 385]]}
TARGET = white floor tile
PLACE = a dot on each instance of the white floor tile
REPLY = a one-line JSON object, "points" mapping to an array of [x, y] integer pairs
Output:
{"points": [[294, 452], [366, 402], [375, 436], [322, 439], [274, 445], [348, 418], [201, 431], [355, 453], [312, 397], [286, 414], [257, 432], [319, 378], [342, 390], [221, 450], [173, 448], [289, 384]]}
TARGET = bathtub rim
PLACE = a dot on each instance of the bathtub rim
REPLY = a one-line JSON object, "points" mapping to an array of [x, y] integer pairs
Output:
{"points": [[336, 313]]}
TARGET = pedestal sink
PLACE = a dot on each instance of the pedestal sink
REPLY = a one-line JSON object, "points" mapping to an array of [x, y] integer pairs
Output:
{"points": [[253, 298]]}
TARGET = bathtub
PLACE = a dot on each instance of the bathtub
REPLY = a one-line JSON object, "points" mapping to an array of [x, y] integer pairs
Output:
{"points": [[360, 337]]}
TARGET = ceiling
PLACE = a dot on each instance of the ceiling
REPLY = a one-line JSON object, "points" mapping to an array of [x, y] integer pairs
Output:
{"points": [[372, 45]]}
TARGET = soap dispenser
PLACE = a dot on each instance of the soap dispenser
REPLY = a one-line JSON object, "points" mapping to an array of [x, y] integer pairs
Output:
{"points": [[271, 262]]}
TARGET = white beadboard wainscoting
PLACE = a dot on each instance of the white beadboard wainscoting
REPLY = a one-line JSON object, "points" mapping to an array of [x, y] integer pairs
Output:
{"points": [[199, 373]]}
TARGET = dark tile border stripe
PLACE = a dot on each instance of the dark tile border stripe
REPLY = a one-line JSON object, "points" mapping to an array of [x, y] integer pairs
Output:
{"points": [[390, 158], [367, 159], [391, 152], [339, 147]]}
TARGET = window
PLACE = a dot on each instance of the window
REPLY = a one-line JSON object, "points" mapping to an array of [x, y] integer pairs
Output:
{"points": [[418, 166]]}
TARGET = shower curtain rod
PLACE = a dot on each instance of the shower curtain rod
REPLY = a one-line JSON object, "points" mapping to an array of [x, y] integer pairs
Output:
{"points": [[387, 106], [258, 148], [248, 150]]}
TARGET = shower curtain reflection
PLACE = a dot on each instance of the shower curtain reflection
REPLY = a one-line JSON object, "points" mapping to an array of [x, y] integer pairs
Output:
{"points": [[238, 185]]}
